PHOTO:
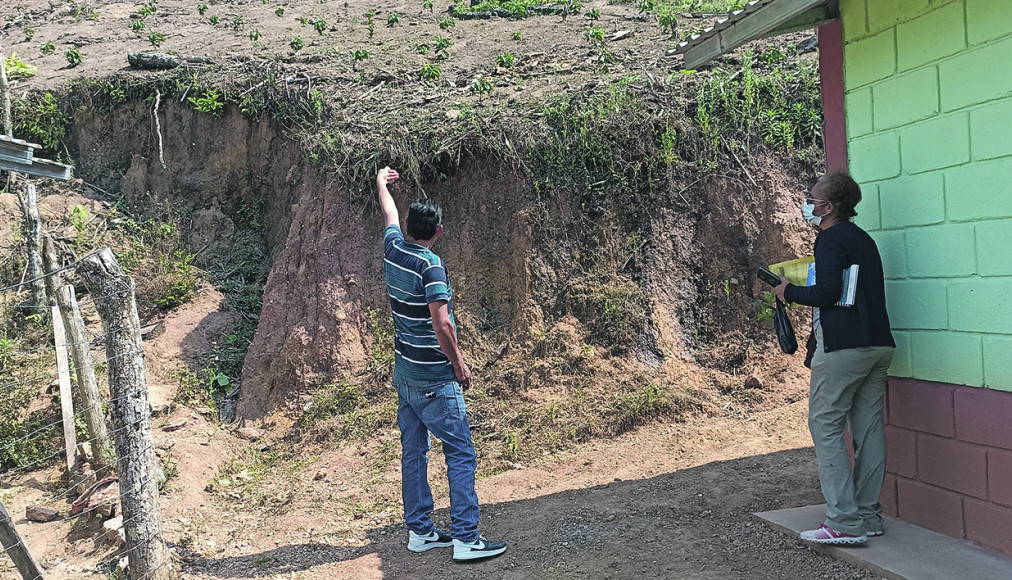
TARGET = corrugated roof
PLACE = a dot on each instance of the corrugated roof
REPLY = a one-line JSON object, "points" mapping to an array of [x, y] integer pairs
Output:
{"points": [[757, 19], [722, 24], [20, 142]]}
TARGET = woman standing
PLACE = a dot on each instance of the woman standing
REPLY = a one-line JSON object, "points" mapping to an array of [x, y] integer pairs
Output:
{"points": [[853, 352]]}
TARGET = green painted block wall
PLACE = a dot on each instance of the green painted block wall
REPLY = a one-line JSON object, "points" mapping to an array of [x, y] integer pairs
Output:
{"points": [[929, 122]]}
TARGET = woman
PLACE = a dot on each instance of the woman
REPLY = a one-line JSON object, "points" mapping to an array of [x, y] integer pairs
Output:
{"points": [[854, 348]]}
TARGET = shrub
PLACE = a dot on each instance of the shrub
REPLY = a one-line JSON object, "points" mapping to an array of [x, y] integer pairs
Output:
{"points": [[40, 119]]}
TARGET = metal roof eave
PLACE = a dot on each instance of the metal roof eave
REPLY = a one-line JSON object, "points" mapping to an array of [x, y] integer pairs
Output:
{"points": [[19, 155], [758, 19]]}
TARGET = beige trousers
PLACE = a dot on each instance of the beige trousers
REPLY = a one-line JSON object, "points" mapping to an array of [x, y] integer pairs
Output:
{"points": [[848, 386]]}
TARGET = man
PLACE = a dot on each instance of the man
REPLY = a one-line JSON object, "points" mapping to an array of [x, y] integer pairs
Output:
{"points": [[431, 377]]}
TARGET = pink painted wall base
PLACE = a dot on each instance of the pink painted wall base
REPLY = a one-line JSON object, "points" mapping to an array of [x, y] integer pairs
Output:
{"points": [[950, 460]]}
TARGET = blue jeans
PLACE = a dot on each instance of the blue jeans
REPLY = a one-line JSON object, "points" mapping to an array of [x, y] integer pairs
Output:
{"points": [[438, 408]]}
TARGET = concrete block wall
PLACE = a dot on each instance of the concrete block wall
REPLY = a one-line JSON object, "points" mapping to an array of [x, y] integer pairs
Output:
{"points": [[949, 463], [928, 93], [929, 102]]}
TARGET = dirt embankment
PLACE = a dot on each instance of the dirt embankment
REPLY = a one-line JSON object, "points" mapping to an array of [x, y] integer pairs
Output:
{"points": [[670, 275]]}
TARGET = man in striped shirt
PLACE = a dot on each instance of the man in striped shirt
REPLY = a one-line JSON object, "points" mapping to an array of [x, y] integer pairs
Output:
{"points": [[431, 377]]}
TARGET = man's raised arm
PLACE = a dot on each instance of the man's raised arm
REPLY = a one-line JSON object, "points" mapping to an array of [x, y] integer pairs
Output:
{"points": [[386, 201]]}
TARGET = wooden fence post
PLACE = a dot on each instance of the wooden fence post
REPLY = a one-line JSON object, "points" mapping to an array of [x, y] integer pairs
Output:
{"points": [[5, 94], [139, 474], [66, 395], [33, 242], [16, 548], [102, 452]]}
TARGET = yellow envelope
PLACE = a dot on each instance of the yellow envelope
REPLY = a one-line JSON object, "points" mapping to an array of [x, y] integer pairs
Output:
{"points": [[796, 271]]}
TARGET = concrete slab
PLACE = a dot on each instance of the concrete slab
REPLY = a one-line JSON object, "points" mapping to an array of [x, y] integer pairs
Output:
{"points": [[904, 552]]}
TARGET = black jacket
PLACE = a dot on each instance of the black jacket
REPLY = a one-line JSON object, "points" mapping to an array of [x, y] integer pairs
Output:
{"points": [[867, 322]]}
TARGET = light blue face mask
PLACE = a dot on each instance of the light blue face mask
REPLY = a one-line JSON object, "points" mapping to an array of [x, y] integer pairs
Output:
{"points": [[808, 210]]}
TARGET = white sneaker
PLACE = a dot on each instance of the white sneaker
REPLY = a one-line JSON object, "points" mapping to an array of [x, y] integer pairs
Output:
{"points": [[437, 538], [480, 548]]}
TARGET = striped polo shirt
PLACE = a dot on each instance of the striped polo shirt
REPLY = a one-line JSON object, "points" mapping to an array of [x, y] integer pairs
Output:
{"points": [[415, 277]]}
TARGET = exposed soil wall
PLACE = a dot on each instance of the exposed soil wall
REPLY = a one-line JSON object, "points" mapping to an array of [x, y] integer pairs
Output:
{"points": [[655, 279]]}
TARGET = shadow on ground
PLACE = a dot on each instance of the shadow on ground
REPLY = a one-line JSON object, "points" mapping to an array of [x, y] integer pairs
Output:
{"points": [[690, 524]]}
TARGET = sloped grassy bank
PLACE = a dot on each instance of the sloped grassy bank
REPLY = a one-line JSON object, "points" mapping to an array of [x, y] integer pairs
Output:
{"points": [[600, 242]]}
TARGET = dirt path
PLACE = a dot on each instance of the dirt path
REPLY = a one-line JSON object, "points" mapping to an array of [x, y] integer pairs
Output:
{"points": [[666, 501]]}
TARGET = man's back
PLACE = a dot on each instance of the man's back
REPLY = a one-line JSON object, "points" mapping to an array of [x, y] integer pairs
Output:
{"points": [[415, 277]]}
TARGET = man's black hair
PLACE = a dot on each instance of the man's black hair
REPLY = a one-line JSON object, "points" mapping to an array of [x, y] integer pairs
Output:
{"points": [[424, 217]]}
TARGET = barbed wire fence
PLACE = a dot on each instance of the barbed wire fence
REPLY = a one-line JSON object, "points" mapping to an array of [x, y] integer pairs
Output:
{"points": [[35, 445]]}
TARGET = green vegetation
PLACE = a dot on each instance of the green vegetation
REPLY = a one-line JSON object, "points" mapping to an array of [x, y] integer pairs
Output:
{"points": [[254, 35], [481, 86], [518, 36], [430, 72], [422, 49], [360, 54], [211, 102], [279, 12], [16, 69], [668, 22], [767, 306], [505, 60], [783, 107], [320, 26], [156, 39], [73, 57], [441, 44], [593, 14], [517, 9], [201, 9], [41, 119], [214, 20], [48, 48], [25, 438], [183, 279], [137, 25], [427, 5], [296, 44], [447, 23], [393, 19]]}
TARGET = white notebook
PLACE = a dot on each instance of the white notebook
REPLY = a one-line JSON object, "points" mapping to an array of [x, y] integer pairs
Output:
{"points": [[849, 284]]}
